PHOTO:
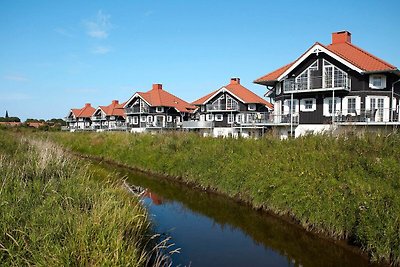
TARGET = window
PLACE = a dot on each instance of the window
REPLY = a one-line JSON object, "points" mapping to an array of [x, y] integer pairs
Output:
{"points": [[333, 77], [230, 118], [251, 107], [331, 106], [219, 117], [143, 119], [209, 117], [169, 118], [378, 107], [288, 85], [239, 118], [202, 108], [149, 119], [377, 81], [308, 104], [231, 104], [304, 80], [135, 120], [159, 109], [287, 105], [351, 105]]}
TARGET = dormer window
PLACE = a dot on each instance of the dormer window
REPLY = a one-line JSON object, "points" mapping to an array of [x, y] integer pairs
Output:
{"points": [[377, 81], [159, 109]]}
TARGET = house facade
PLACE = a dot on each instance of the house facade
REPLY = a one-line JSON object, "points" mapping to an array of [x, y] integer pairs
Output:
{"points": [[334, 86], [109, 118], [80, 119], [156, 110], [231, 110]]}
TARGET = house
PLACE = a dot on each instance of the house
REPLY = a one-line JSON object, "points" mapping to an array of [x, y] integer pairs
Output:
{"points": [[80, 119], [231, 110], [156, 110], [111, 117], [334, 87]]}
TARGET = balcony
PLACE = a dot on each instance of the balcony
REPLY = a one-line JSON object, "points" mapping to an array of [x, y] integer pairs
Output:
{"points": [[97, 118], [267, 118], [221, 107], [364, 117], [316, 84], [137, 110]]}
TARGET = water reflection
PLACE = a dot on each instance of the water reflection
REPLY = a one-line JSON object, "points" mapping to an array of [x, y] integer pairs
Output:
{"points": [[214, 231]]}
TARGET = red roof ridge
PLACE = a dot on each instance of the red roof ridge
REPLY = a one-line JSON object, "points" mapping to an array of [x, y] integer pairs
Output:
{"points": [[361, 50]]}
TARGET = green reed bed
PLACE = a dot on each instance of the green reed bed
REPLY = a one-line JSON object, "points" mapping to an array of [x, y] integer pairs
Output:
{"points": [[54, 214], [343, 187]]}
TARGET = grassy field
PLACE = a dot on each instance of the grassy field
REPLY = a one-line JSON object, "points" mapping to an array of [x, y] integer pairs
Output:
{"points": [[53, 213], [345, 187]]}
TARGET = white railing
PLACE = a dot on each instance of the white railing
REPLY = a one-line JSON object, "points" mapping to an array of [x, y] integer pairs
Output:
{"points": [[222, 107], [136, 109], [316, 84]]}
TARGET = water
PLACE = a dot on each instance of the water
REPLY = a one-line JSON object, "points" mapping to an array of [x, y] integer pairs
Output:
{"points": [[212, 230]]}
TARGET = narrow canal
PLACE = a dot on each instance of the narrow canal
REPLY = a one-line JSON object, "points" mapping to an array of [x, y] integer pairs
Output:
{"points": [[211, 230]]}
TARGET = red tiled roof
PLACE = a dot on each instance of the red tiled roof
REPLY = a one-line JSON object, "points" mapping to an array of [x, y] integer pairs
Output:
{"points": [[359, 57], [272, 76], [240, 91], [10, 123], [114, 109], [347, 51], [157, 97], [35, 124], [85, 112]]}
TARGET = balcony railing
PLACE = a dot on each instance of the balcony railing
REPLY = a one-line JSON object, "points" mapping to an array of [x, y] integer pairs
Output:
{"points": [[136, 110], [375, 116], [197, 124], [316, 84], [97, 118], [222, 107], [268, 118]]}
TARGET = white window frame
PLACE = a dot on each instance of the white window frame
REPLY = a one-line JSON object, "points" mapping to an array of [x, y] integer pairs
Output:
{"points": [[345, 105], [384, 116], [252, 107], [149, 119], [230, 118], [326, 64], [142, 118], [231, 103], [169, 118], [219, 117], [337, 109], [303, 106], [135, 120], [286, 106], [210, 117], [377, 76], [307, 72], [159, 109], [202, 108], [239, 118]]}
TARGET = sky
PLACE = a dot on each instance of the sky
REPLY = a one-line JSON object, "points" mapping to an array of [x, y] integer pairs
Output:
{"points": [[58, 55]]}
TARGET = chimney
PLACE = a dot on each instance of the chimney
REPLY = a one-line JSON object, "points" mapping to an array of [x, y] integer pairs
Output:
{"points": [[157, 86], [341, 37], [115, 102], [235, 81], [87, 105]]}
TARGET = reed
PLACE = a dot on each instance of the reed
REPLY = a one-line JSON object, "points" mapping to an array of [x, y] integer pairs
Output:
{"points": [[344, 187], [53, 213]]}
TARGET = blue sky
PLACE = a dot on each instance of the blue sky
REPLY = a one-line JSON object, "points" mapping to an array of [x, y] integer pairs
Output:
{"points": [[57, 55]]}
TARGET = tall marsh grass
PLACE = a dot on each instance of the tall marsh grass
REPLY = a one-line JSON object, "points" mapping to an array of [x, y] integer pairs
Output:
{"points": [[343, 187], [54, 214]]}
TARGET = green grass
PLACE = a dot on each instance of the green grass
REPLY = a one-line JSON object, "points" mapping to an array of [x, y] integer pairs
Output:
{"points": [[343, 187], [54, 214]]}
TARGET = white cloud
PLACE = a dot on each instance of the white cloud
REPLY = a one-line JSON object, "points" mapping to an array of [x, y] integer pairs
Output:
{"points": [[16, 77], [101, 50], [99, 26]]}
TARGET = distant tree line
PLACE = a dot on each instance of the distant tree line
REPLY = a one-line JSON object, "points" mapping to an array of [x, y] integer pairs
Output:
{"points": [[10, 119]]}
